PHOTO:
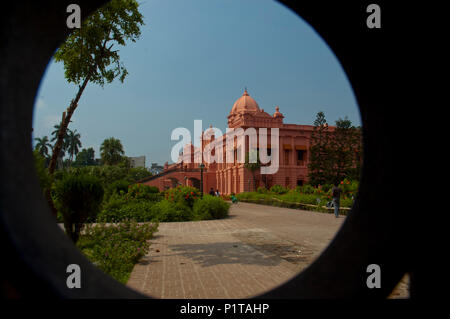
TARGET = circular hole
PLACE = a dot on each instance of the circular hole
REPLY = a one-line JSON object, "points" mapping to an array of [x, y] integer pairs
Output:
{"points": [[177, 76], [124, 291]]}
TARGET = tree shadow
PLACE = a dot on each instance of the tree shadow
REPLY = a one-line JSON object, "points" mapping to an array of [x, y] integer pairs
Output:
{"points": [[222, 253]]}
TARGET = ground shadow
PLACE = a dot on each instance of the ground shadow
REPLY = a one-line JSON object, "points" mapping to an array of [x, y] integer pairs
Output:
{"points": [[263, 254], [225, 253]]}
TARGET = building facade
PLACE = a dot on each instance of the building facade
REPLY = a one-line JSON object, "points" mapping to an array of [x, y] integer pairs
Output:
{"points": [[224, 169]]}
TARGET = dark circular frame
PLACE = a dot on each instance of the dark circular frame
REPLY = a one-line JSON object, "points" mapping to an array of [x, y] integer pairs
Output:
{"points": [[38, 252]]}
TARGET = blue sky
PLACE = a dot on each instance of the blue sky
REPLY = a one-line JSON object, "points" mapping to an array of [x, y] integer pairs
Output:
{"points": [[192, 61]]}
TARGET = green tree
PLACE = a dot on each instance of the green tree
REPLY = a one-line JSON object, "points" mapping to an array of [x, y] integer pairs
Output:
{"points": [[88, 54], [86, 157], [344, 146], [252, 166], [137, 173], [73, 143], [42, 146], [77, 197], [319, 158], [112, 151]]}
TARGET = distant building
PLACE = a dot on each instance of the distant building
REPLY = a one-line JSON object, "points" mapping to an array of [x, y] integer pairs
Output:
{"points": [[293, 148], [156, 169], [138, 161]]}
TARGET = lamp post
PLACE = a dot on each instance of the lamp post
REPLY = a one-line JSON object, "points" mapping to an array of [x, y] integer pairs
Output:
{"points": [[202, 166]]}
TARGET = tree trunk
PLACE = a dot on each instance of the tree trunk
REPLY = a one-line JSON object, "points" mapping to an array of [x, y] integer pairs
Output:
{"points": [[63, 127]]}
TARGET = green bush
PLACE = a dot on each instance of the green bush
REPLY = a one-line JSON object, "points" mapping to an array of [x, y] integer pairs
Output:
{"points": [[140, 191], [77, 197], [278, 189], [169, 211], [262, 190], [300, 198], [116, 248], [183, 194], [118, 186], [211, 207], [119, 209], [305, 189]]}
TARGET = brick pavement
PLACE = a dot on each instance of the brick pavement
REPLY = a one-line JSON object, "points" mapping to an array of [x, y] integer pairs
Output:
{"points": [[254, 250]]}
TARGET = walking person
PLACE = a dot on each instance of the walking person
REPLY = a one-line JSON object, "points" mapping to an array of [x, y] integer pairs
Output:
{"points": [[211, 192], [217, 193], [336, 193]]}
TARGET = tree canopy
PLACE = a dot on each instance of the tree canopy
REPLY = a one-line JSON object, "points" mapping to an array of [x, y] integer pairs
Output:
{"points": [[112, 151], [89, 54]]}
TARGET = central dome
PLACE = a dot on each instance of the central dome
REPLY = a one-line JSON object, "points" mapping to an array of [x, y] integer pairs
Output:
{"points": [[245, 104]]}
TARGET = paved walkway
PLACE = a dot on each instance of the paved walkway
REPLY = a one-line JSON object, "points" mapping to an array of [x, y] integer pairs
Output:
{"points": [[254, 250]]}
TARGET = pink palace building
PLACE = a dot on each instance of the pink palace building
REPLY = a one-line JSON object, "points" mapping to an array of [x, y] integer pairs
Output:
{"points": [[232, 176]]}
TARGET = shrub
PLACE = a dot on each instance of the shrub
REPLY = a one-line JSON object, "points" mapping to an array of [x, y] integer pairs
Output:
{"points": [[305, 189], [262, 190], [183, 194], [118, 186], [211, 207], [169, 211], [119, 209], [77, 197], [116, 248], [140, 191], [278, 189], [137, 173]]}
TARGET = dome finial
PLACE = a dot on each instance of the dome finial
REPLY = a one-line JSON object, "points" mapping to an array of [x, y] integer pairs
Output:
{"points": [[245, 90]]}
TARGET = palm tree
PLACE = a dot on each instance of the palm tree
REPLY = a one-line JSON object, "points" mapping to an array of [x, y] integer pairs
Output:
{"points": [[111, 151], [55, 138], [73, 143], [42, 146]]}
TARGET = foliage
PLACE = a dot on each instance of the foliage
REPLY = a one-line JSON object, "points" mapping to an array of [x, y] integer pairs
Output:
{"points": [[42, 146], [278, 189], [183, 194], [140, 191], [262, 190], [170, 211], [73, 143], [319, 159], [88, 54], [118, 209], [252, 163], [107, 174], [305, 195], [111, 151], [116, 248], [344, 150], [334, 155], [211, 207], [45, 179], [137, 173], [305, 189], [77, 197], [86, 157]]}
